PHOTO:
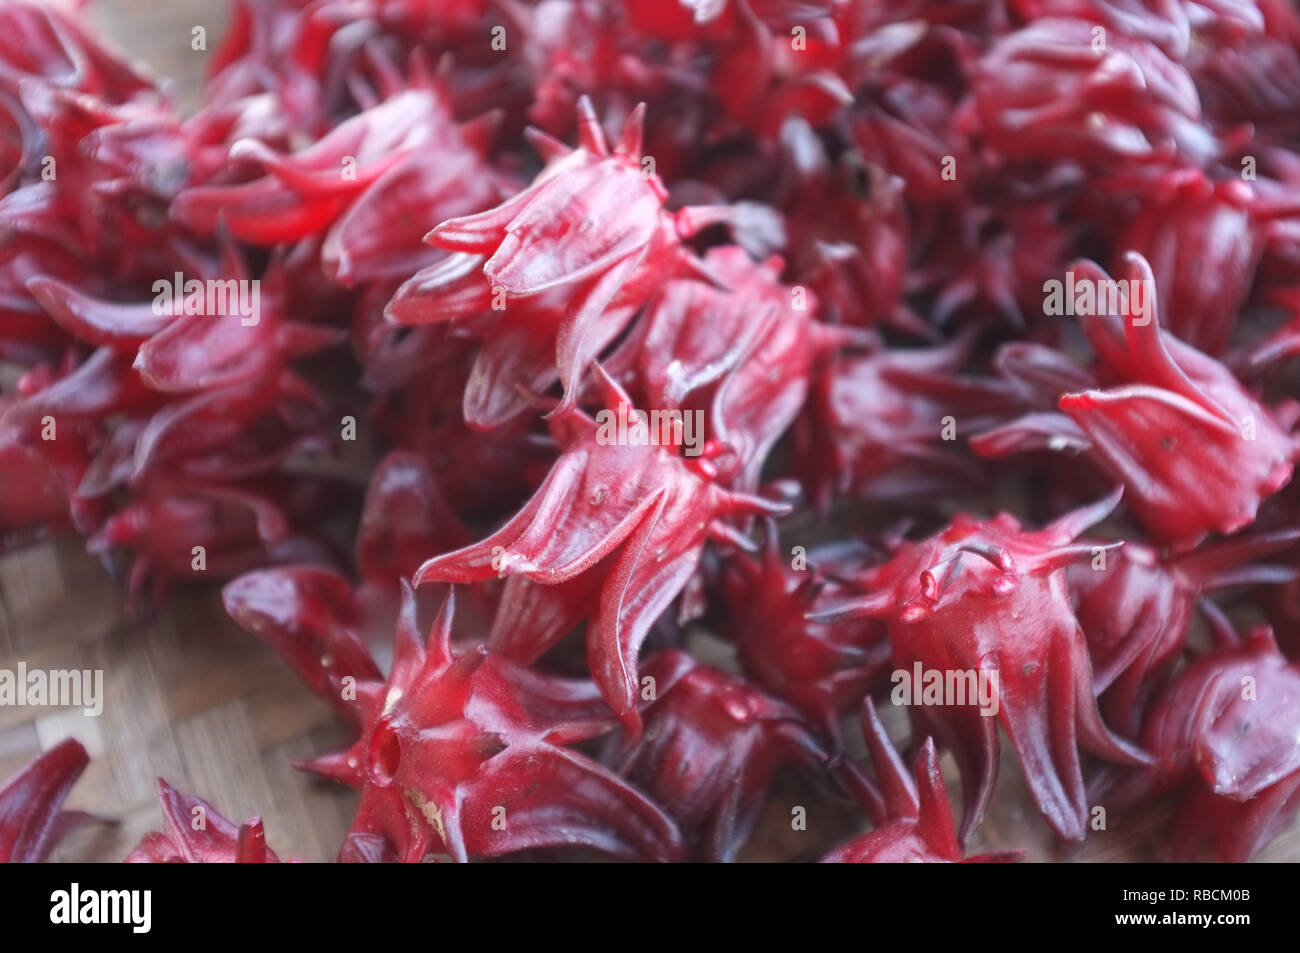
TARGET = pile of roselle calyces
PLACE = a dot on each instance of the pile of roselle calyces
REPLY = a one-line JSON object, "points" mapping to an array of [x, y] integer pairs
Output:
{"points": [[736, 371]]}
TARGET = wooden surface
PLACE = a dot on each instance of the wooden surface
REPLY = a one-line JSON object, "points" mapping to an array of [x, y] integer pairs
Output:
{"points": [[191, 698], [188, 696]]}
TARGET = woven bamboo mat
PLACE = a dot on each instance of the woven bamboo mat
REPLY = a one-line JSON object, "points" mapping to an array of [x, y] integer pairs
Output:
{"points": [[191, 698]]}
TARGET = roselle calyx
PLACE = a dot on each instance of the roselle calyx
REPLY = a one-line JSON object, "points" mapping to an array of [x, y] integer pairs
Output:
{"points": [[467, 754], [629, 518], [31, 817], [1137, 613], [990, 598], [1224, 736], [822, 669], [913, 818], [711, 748], [561, 267], [196, 834], [1196, 452]]}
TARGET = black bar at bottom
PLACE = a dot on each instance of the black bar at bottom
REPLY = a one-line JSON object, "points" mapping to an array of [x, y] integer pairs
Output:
{"points": [[445, 903]]}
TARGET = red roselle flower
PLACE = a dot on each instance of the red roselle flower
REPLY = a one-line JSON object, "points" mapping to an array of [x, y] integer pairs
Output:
{"points": [[1203, 244], [753, 73], [1167, 25], [403, 519], [1224, 733], [579, 48], [1250, 71], [44, 41], [1283, 342], [381, 235], [517, 352], [41, 479], [266, 75], [117, 167], [624, 516], [314, 617], [43, 46], [1050, 91], [1137, 613], [31, 822], [760, 79], [711, 747], [231, 394], [591, 234], [207, 351], [847, 233], [821, 669], [743, 354], [201, 531], [988, 600], [757, 403], [450, 739], [466, 754], [1195, 451], [907, 120], [197, 834], [309, 616], [992, 261], [696, 333], [291, 69], [913, 819], [101, 384], [420, 382], [26, 335], [200, 407], [304, 193], [682, 19], [885, 424]]}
